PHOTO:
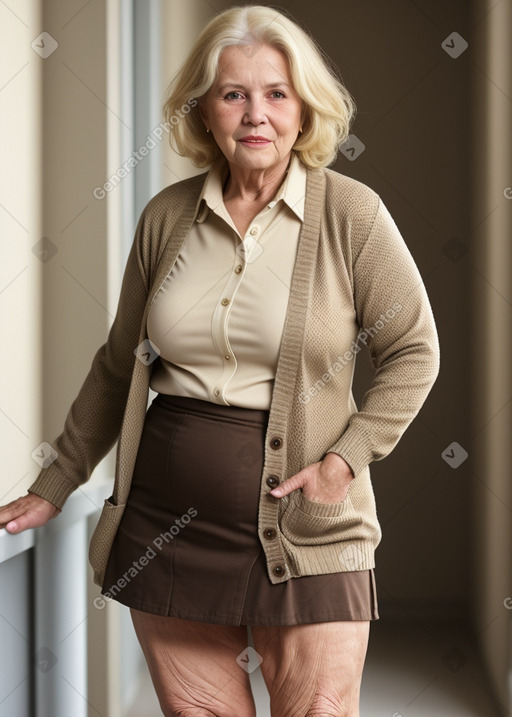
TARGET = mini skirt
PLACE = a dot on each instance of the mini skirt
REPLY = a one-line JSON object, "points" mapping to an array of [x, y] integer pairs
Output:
{"points": [[187, 545]]}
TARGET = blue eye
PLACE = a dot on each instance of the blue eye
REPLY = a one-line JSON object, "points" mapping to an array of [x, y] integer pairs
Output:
{"points": [[229, 96]]}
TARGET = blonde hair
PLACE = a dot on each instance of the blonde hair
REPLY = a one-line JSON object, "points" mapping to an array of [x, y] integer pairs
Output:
{"points": [[328, 106]]}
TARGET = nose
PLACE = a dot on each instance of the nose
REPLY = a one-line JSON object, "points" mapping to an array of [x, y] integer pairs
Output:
{"points": [[255, 110]]}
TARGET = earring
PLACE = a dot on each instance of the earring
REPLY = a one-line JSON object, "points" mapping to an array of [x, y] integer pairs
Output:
{"points": [[207, 130]]}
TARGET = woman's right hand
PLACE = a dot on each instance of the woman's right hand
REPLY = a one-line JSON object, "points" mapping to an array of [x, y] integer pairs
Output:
{"points": [[29, 511]]}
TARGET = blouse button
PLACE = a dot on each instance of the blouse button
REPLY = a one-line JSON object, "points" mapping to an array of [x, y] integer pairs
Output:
{"points": [[272, 481], [224, 302], [270, 533], [254, 231], [278, 570], [238, 269], [216, 392], [227, 358], [276, 442]]}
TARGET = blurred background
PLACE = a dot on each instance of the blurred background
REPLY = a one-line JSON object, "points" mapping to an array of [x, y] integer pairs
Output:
{"points": [[83, 150]]}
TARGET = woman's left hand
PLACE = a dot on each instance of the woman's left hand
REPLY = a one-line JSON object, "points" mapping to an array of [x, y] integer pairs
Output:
{"points": [[327, 481]]}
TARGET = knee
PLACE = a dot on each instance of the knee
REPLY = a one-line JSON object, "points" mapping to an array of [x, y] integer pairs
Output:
{"points": [[331, 705], [172, 706]]}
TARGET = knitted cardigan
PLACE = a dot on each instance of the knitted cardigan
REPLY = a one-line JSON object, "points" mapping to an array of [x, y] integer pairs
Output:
{"points": [[355, 286]]}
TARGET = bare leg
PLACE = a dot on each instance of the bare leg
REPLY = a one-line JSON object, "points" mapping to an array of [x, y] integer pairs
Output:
{"points": [[313, 670], [193, 666]]}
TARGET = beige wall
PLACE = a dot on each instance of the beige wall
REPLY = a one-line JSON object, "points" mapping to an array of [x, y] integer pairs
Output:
{"points": [[21, 271]]}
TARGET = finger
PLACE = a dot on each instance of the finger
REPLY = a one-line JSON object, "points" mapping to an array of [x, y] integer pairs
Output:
{"points": [[287, 486], [12, 525], [21, 520], [8, 514], [11, 511], [24, 522], [27, 512], [6, 510]]}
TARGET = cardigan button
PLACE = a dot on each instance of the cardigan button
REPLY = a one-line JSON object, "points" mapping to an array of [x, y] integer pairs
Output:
{"points": [[272, 481], [276, 442], [278, 570], [270, 533]]}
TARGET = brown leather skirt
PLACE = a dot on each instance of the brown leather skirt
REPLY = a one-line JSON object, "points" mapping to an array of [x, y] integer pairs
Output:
{"points": [[187, 545]]}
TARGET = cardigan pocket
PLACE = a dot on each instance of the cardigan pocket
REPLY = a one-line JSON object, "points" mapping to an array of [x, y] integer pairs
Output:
{"points": [[103, 537], [305, 522]]}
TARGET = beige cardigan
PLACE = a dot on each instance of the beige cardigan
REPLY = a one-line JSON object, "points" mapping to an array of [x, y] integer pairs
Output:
{"points": [[354, 285]]}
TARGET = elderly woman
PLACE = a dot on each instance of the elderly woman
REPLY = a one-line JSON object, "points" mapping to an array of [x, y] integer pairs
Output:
{"points": [[242, 494]]}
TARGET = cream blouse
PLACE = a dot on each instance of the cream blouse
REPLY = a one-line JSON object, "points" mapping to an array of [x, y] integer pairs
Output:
{"points": [[218, 318]]}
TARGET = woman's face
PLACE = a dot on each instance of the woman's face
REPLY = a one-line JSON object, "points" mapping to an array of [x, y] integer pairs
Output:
{"points": [[252, 108]]}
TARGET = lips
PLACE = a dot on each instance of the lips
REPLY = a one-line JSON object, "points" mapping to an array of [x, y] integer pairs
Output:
{"points": [[254, 140]]}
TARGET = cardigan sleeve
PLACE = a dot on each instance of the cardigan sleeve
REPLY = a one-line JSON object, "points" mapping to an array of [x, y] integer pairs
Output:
{"points": [[398, 328], [94, 420]]}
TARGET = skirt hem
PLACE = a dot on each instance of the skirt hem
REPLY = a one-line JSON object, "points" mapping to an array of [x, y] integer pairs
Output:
{"points": [[232, 621]]}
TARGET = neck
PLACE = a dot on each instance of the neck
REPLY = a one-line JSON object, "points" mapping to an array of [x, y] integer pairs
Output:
{"points": [[254, 185]]}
